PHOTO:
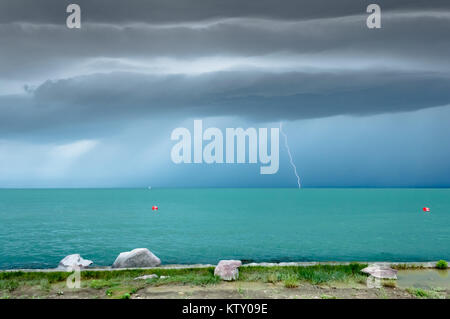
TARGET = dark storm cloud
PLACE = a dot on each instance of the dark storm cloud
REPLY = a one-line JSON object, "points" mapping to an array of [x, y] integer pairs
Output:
{"points": [[169, 11], [421, 35], [255, 96], [46, 51], [314, 59]]}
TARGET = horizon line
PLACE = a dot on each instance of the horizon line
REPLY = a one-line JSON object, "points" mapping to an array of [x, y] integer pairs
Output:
{"points": [[227, 187]]}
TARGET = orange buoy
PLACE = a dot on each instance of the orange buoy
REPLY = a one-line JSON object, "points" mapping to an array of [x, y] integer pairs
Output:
{"points": [[154, 207], [426, 209]]}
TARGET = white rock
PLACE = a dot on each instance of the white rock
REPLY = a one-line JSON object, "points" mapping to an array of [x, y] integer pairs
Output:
{"points": [[139, 257], [228, 269], [380, 271], [146, 277], [74, 261]]}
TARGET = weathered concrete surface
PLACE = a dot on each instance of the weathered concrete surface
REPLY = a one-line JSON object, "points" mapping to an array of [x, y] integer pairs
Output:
{"points": [[431, 264]]}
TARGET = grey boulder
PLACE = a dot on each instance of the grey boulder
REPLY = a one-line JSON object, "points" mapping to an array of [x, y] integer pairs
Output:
{"points": [[137, 258], [228, 269], [74, 261], [381, 272]]}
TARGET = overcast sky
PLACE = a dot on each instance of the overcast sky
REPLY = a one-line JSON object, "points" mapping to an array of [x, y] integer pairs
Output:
{"points": [[95, 106]]}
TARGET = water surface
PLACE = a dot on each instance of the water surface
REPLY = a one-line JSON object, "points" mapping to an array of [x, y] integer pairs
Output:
{"points": [[424, 278], [39, 227]]}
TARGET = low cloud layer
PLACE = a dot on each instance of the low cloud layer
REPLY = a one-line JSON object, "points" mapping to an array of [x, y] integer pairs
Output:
{"points": [[260, 68], [252, 95]]}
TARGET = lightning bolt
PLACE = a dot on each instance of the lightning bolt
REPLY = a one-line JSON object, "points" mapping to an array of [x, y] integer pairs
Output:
{"points": [[290, 155]]}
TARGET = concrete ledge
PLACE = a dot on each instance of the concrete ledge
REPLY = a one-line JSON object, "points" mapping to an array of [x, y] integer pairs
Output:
{"points": [[431, 264]]}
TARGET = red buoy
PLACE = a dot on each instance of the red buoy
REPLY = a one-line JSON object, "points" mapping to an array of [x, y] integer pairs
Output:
{"points": [[154, 207], [426, 209]]}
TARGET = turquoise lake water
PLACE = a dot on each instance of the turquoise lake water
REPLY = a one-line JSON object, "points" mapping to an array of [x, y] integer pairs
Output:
{"points": [[39, 227]]}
